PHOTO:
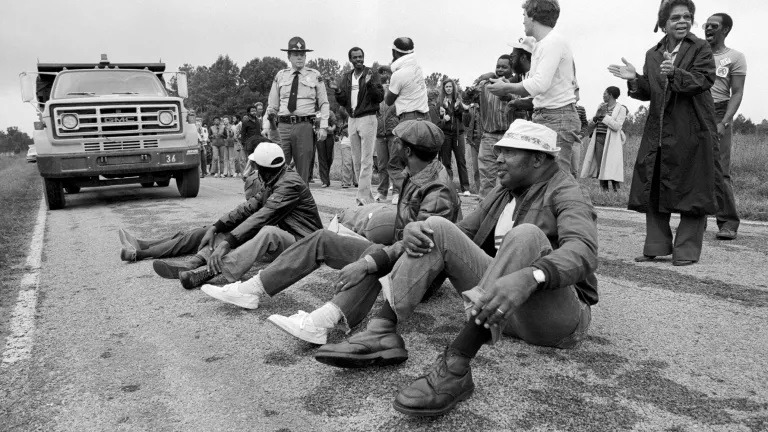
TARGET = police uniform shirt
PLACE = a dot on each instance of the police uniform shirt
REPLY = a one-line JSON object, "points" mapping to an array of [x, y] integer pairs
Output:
{"points": [[311, 93]]}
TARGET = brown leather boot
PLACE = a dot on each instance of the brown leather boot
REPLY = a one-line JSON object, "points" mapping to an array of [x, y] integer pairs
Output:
{"points": [[446, 384], [378, 345], [170, 268]]}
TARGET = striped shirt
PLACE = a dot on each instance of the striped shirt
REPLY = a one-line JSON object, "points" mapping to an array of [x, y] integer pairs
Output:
{"points": [[493, 111]]}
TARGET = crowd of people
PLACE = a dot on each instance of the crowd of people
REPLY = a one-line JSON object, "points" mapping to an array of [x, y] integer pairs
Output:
{"points": [[524, 260]]}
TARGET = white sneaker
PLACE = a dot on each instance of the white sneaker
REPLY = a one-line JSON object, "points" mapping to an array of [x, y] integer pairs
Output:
{"points": [[300, 325], [230, 293], [395, 199]]}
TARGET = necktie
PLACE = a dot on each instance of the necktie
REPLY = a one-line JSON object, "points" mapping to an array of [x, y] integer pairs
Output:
{"points": [[294, 92]]}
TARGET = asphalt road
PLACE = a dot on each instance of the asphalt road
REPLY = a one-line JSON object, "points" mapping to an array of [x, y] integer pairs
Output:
{"points": [[117, 348]]}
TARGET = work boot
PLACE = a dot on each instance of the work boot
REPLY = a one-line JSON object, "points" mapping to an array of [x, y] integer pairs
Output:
{"points": [[448, 383], [725, 234], [378, 345], [192, 279], [170, 268]]}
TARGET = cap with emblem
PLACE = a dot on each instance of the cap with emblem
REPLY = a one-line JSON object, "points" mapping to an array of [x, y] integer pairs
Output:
{"points": [[420, 133], [296, 44], [525, 44], [526, 135]]}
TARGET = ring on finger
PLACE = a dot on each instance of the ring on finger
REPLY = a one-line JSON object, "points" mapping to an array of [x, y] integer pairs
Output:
{"points": [[500, 312]]}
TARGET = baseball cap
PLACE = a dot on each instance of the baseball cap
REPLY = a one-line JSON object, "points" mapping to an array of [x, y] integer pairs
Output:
{"points": [[525, 44]]}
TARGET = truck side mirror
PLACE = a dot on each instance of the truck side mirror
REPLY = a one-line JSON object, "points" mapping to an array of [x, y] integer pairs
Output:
{"points": [[181, 85], [28, 87]]}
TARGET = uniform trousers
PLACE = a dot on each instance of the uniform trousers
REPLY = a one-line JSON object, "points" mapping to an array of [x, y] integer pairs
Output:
{"points": [[297, 142]]}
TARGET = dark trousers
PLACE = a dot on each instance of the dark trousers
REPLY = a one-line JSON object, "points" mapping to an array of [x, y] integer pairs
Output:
{"points": [[454, 144], [687, 242], [298, 144], [326, 247], [391, 164], [181, 243], [727, 216], [325, 159], [203, 161]]}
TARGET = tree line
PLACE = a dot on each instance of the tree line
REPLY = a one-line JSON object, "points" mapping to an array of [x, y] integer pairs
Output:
{"points": [[635, 123], [12, 140]]}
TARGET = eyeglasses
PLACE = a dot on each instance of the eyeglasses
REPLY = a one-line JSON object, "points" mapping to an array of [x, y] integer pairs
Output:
{"points": [[506, 152], [683, 17], [713, 26]]}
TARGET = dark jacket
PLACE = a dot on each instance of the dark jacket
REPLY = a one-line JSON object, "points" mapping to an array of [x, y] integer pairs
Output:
{"points": [[453, 126], [564, 213], [685, 135], [285, 202], [387, 120], [368, 97], [474, 126], [250, 128]]}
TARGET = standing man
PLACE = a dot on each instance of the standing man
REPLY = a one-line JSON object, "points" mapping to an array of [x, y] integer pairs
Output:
{"points": [[250, 131], [474, 136], [727, 93], [360, 92], [388, 147], [325, 152], [295, 93], [552, 78], [218, 140]]}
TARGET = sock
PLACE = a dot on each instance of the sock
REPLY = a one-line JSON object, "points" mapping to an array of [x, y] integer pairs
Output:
{"points": [[470, 339], [252, 286], [386, 312], [326, 316]]}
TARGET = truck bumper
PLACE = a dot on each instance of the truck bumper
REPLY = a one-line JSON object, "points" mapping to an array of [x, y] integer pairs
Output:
{"points": [[124, 163]]}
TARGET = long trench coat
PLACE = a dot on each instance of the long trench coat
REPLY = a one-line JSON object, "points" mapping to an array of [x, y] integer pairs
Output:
{"points": [[611, 166], [681, 127]]}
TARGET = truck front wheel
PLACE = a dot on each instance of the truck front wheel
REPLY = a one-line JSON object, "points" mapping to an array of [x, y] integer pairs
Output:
{"points": [[188, 182], [54, 193], [72, 189]]}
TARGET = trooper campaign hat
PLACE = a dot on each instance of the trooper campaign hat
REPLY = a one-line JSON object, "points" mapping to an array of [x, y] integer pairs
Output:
{"points": [[297, 44], [526, 135], [420, 133]]}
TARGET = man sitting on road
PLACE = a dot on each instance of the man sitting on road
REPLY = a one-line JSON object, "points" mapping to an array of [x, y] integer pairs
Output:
{"points": [[523, 262], [427, 191], [281, 212]]}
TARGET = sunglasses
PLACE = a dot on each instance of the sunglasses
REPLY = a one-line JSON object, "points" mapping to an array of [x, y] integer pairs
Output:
{"points": [[683, 17], [713, 26]]}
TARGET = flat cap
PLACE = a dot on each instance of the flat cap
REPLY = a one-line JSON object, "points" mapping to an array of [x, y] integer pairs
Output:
{"points": [[420, 133]]}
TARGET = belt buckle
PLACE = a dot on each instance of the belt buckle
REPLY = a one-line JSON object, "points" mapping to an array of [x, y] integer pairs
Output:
{"points": [[294, 119]]}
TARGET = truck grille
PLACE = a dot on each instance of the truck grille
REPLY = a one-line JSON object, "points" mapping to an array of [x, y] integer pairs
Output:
{"points": [[116, 120], [119, 145]]}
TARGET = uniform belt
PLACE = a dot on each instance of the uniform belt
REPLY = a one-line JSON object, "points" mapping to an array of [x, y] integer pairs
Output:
{"points": [[292, 119]]}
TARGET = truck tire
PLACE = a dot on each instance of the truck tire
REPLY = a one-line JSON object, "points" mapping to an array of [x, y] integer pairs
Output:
{"points": [[72, 189], [163, 183], [54, 194], [147, 185], [188, 182]]}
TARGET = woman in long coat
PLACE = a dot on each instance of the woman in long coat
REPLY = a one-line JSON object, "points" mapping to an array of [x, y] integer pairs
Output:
{"points": [[675, 170], [604, 158]]}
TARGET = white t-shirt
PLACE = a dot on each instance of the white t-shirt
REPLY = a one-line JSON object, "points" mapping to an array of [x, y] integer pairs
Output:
{"points": [[407, 82], [552, 78], [505, 224], [355, 90], [728, 63]]}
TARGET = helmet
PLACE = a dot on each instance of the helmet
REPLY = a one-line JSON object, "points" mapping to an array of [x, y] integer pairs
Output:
{"points": [[268, 155]]}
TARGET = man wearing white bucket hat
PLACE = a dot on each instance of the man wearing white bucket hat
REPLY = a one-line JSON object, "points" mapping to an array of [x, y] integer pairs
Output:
{"points": [[523, 262]]}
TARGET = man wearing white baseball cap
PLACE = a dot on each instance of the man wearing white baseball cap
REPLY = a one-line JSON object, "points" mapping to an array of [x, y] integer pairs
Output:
{"points": [[523, 263]]}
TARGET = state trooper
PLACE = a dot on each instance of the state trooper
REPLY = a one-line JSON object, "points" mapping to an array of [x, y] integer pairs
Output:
{"points": [[296, 94]]}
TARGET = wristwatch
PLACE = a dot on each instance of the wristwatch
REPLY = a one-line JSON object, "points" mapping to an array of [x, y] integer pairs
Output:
{"points": [[539, 275]]}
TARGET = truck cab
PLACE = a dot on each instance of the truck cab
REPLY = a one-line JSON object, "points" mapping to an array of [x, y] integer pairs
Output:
{"points": [[105, 124]]}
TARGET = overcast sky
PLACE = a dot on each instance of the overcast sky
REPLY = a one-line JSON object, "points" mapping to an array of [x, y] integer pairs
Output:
{"points": [[459, 38]]}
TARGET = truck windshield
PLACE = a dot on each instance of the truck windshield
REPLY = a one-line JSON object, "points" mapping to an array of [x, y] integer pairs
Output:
{"points": [[107, 82]]}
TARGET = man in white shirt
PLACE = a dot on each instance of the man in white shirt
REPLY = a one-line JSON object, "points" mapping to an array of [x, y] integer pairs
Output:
{"points": [[551, 80], [407, 89]]}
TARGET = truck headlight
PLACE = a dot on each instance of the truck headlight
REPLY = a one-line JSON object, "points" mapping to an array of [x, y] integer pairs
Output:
{"points": [[69, 121], [165, 117]]}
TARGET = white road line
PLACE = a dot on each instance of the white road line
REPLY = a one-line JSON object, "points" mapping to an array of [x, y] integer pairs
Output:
{"points": [[18, 346]]}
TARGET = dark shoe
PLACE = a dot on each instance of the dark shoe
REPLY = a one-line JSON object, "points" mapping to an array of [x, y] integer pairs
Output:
{"points": [[378, 345], [681, 263], [725, 234], [192, 279], [448, 383], [170, 268], [345, 186], [128, 253], [645, 258]]}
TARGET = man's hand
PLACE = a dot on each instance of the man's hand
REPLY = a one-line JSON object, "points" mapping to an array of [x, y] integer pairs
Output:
{"points": [[321, 134], [720, 130], [498, 87], [208, 238], [484, 77], [214, 262], [368, 76], [351, 275], [265, 133], [332, 85], [503, 297], [626, 72], [417, 239]]}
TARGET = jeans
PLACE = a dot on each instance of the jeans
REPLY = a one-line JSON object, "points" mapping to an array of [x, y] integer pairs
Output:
{"points": [[326, 247], [347, 167], [549, 317], [455, 144], [228, 155], [216, 163], [362, 136], [727, 216], [391, 164], [487, 161], [181, 243], [375, 221], [298, 144], [564, 121], [325, 159]]}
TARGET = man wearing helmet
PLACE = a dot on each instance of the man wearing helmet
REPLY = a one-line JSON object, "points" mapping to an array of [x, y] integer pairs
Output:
{"points": [[281, 211]]}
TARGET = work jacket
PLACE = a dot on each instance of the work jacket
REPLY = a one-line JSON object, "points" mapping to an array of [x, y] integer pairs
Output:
{"points": [[368, 96]]}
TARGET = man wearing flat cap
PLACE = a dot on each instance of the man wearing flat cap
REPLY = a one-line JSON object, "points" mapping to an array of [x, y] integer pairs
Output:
{"points": [[427, 193], [523, 263], [295, 95]]}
